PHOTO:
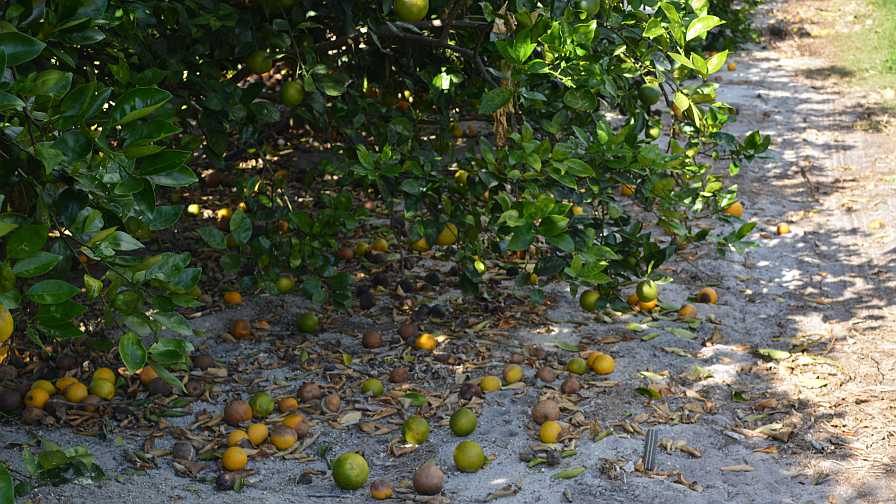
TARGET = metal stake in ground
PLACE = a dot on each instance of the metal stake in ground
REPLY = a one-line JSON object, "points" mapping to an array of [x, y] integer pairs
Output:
{"points": [[649, 456]]}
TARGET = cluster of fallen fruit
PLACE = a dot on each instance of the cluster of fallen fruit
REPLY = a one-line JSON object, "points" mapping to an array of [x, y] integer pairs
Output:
{"points": [[349, 470]]}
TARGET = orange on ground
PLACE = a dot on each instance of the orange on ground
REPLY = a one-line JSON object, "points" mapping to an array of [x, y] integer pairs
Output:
{"points": [[104, 373], [603, 364], [707, 295], [241, 329], [258, 433], [648, 306], [236, 437], [489, 383], [287, 404], [293, 420], [426, 341], [232, 298], [37, 398], [64, 382], [687, 311], [549, 432], [76, 392], [147, 374], [44, 385], [102, 389], [283, 437], [234, 459]]}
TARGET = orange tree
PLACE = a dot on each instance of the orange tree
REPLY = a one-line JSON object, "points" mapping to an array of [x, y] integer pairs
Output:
{"points": [[109, 109]]}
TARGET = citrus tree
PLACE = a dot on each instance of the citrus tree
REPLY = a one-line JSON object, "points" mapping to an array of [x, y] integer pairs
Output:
{"points": [[557, 133]]}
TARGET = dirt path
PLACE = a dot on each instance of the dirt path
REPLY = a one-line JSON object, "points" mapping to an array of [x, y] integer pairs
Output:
{"points": [[817, 426]]}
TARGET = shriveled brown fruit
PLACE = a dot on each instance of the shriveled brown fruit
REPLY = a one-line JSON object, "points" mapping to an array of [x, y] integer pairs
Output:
{"points": [[399, 375], [237, 412], [372, 339], [546, 375], [195, 388], [381, 490], [203, 361], [470, 390], [183, 450], [32, 415], [160, 387], [545, 410], [91, 402], [309, 392], [332, 403], [241, 329], [408, 332], [570, 385], [429, 479]]}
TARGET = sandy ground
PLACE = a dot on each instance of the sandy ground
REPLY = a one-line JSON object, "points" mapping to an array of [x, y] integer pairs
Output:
{"points": [[816, 427]]}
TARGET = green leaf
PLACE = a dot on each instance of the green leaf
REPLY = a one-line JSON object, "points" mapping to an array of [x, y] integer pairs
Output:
{"points": [[569, 347], [241, 226], [416, 399], [568, 473], [36, 265], [654, 28], [137, 103], [580, 99], [161, 162], [7, 490], [170, 378], [171, 351], [20, 48], [51, 292], [213, 237], [553, 225], [494, 99], [772, 354], [178, 177], [174, 321], [10, 102], [132, 352], [54, 83], [27, 240], [716, 62], [702, 25], [93, 286]]}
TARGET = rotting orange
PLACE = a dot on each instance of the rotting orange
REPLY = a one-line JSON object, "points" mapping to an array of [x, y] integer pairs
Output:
{"points": [[241, 329], [232, 298], [687, 311], [287, 404], [707, 295]]}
